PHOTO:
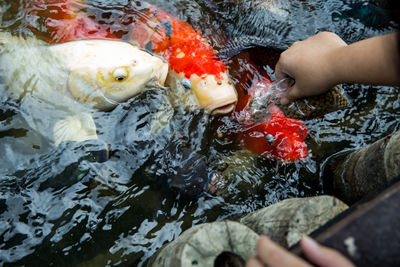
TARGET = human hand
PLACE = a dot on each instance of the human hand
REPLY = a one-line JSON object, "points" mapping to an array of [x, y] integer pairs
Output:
{"points": [[271, 254], [311, 63]]}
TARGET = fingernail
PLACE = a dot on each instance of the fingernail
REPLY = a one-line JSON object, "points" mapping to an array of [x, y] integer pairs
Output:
{"points": [[311, 243], [284, 101]]}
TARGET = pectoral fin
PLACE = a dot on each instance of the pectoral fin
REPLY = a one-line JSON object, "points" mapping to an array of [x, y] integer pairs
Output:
{"points": [[161, 118], [75, 128]]}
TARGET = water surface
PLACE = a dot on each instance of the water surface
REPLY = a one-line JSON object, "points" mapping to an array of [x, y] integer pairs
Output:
{"points": [[64, 206]]}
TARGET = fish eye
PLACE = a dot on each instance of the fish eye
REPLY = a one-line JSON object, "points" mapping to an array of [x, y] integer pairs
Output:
{"points": [[186, 83], [120, 74]]}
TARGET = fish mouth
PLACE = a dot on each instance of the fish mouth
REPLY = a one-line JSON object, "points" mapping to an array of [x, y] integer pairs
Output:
{"points": [[217, 95], [223, 110], [162, 72]]}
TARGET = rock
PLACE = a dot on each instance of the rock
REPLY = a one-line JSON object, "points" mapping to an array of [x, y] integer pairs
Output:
{"points": [[287, 221], [201, 245], [350, 177], [316, 106]]}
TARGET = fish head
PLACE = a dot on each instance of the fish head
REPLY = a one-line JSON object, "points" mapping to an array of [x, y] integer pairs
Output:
{"points": [[217, 95], [202, 73], [105, 73]]}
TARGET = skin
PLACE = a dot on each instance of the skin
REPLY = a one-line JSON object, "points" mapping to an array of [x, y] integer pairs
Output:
{"points": [[317, 64], [325, 60], [270, 254]]}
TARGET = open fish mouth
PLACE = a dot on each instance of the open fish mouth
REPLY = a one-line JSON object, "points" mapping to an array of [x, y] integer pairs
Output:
{"points": [[217, 96], [223, 110]]}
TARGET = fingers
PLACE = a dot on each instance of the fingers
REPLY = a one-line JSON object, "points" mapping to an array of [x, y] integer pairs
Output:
{"points": [[312, 63], [279, 69], [323, 256], [285, 100], [286, 97], [281, 72], [271, 254], [274, 255], [291, 95]]}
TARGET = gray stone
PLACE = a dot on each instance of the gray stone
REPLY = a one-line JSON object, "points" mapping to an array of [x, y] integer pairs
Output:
{"points": [[202, 244], [352, 176], [392, 157], [287, 221]]}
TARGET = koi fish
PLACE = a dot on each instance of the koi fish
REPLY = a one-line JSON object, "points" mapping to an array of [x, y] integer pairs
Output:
{"points": [[193, 62], [277, 137], [190, 56], [61, 84]]}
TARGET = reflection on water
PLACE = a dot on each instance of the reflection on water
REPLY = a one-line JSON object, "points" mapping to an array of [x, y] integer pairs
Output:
{"points": [[67, 206]]}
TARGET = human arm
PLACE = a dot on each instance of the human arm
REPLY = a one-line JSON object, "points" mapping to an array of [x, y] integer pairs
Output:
{"points": [[271, 254], [324, 60]]}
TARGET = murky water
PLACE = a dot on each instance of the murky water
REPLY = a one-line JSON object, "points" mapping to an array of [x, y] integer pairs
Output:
{"points": [[65, 206]]}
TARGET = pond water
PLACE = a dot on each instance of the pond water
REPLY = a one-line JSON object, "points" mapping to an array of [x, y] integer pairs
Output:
{"points": [[65, 206]]}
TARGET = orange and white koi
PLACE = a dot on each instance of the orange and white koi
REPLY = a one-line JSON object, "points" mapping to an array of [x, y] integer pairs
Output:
{"points": [[190, 56]]}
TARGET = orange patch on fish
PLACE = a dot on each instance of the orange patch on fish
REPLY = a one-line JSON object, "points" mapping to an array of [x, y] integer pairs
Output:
{"points": [[183, 47], [189, 55], [277, 137]]}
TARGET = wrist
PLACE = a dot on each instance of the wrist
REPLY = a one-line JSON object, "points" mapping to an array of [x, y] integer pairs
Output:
{"points": [[338, 66]]}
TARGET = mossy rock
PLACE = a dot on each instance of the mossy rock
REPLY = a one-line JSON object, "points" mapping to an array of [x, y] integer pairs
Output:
{"points": [[288, 220], [203, 244]]}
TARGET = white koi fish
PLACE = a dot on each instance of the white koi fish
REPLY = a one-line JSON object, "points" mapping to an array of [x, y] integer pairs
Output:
{"points": [[59, 86]]}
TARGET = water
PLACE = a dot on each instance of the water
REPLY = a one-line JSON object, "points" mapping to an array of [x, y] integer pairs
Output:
{"points": [[66, 206], [264, 101]]}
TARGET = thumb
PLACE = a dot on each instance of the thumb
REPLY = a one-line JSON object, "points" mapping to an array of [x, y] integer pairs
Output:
{"points": [[280, 72], [323, 256], [291, 94]]}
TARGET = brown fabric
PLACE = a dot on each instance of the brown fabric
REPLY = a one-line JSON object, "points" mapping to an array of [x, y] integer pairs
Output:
{"points": [[316, 106]]}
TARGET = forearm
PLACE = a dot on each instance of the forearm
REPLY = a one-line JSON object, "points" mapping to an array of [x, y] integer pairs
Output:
{"points": [[373, 61]]}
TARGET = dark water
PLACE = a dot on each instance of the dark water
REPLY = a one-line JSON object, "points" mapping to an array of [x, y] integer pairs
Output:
{"points": [[65, 206]]}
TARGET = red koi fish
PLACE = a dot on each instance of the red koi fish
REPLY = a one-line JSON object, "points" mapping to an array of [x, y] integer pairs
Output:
{"points": [[190, 56], [278, 137]]}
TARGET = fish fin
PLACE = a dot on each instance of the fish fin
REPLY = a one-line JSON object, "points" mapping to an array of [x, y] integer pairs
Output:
{"points": [[161, 118], [75, 128], [236, 45]]}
